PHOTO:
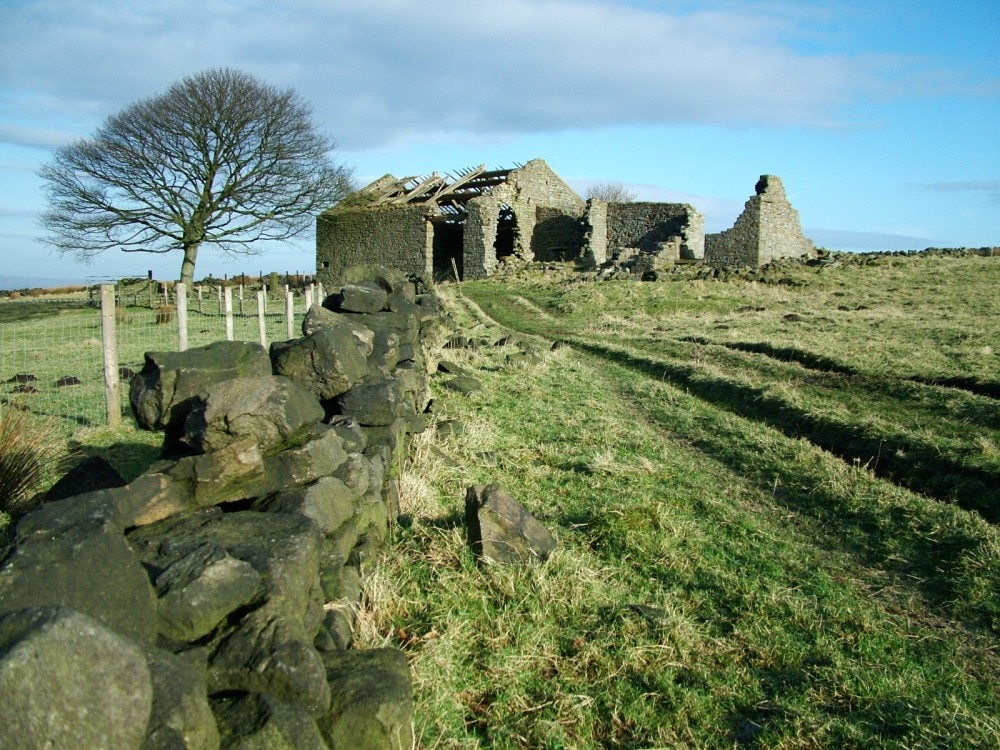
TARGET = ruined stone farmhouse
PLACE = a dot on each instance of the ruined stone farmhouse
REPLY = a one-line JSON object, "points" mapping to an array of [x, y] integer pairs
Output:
{"points": [[470, 221]]}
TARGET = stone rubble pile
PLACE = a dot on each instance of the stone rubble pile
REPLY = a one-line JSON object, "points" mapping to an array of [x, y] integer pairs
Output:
{"points": [[210, 603]]}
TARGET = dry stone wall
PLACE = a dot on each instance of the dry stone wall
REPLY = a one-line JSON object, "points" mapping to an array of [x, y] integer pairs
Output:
{"points": [[209, 603]]}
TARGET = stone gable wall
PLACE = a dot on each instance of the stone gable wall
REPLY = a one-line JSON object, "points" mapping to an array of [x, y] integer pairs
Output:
{"points": [[397, 236], [768, 229], [535, 194]]}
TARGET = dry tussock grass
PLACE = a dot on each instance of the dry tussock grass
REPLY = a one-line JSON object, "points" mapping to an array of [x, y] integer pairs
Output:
{"points": [[30, 450]]}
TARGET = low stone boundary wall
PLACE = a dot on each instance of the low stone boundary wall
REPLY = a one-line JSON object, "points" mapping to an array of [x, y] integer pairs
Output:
{"points": [[210, 603]]}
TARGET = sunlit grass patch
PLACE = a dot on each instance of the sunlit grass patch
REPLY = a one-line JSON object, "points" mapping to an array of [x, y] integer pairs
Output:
{"points": [[720, 580]]}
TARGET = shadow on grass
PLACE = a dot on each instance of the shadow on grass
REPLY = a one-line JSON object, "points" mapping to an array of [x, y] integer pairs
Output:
{"points": [[21, 403], [933, 552], [986, 388], [896, 458], [19, 311], [901, 389]]}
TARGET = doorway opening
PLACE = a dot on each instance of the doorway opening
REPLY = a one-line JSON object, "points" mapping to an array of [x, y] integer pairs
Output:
{"points": [[506, 238]]}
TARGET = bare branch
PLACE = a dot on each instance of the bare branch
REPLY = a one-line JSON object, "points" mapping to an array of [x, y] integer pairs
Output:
{"points": [[611, 192], [220, 158]]}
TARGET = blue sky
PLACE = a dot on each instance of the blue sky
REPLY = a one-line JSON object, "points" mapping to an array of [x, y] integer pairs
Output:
{"points": [[882, 117]]}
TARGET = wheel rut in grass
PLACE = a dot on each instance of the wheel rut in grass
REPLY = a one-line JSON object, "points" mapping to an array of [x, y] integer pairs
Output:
{"points": [[902, 460]]}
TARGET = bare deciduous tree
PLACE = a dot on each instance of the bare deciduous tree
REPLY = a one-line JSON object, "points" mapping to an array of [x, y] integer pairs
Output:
{"points": [[221, 158], [611, 192]]}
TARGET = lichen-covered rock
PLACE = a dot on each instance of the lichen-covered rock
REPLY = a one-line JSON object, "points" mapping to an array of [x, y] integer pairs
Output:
{"points": [[463, 384], [251, 721], [501, 530], [181, 717], [270, 409], [233, 472], [320, 455], [372, 707], [119, 506], [167, 388], [329, 502], [272, 654], [359, 297], [385, 352], [404, 322], [269, 649], [327, 362], [392, 280], [86, 566], [376, 401], [284, 548], [198, 591], [320, 317], [67, 681]]}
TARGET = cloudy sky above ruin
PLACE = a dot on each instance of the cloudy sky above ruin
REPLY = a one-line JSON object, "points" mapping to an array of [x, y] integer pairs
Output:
{"points": [[880, 116]]}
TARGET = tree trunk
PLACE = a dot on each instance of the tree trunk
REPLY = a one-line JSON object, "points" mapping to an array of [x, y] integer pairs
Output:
{"points": [[187, 266]]}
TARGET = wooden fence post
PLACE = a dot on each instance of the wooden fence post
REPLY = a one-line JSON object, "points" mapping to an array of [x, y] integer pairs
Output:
{"points": [[112, 384], [241, 300], [228, 304], [290, 312], [261, 324], [180, 297], [200, 308]]}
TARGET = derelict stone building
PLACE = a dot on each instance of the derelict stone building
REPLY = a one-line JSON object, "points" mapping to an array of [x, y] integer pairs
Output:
{"points": [[476, 218], [768, 229], [470, 221]]}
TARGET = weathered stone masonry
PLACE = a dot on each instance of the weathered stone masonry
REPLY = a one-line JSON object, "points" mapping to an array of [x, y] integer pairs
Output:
{"points": [[469, 223], [210, 603], [662, 232], [475, 219], [768, 229]]}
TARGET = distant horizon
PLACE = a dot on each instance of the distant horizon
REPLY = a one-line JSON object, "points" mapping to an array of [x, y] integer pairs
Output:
{"points": [[15, 283]]}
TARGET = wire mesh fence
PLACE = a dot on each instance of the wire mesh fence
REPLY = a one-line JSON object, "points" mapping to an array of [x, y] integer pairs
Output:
{"points": [[52, 352]]}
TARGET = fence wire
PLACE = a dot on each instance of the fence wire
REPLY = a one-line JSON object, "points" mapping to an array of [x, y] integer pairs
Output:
{"points": [[51, 351]]}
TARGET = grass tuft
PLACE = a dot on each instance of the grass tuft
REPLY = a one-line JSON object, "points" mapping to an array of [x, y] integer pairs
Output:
{"points": [[31, 449]]}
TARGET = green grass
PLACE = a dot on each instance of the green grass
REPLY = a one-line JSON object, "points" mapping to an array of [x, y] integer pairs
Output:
{"points": [[734, 568], [776, 510]]}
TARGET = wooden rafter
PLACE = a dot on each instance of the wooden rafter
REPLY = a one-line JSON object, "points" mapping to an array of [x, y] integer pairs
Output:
{"points": [[448, 193]]}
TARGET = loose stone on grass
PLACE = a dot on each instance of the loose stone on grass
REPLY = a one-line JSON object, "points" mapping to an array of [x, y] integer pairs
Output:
{"points": [[501, 530]]}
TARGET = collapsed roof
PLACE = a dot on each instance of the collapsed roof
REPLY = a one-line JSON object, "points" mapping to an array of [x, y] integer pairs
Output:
{"points": [[448, 193]]}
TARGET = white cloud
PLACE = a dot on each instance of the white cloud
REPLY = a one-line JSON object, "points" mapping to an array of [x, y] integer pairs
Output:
{"points": [[25, 135], [989, 189], [384, 70]]}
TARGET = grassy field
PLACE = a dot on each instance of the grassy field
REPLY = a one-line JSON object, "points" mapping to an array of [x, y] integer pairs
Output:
{"points": [[775, 505], [776, 509]]}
